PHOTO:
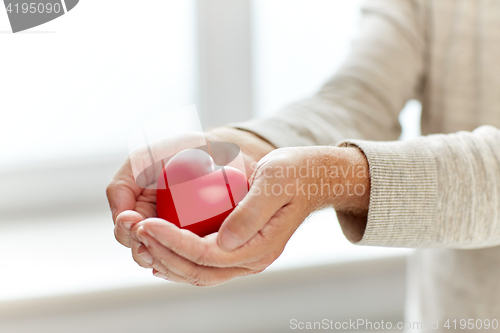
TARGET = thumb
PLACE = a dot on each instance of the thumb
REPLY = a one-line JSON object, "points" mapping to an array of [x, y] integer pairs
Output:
{"points": [[251, 215]]}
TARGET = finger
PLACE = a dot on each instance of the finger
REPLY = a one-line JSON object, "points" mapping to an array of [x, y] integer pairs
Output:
{"points": [[201, 251], [167, 275], [142, 256], [120, 198], [251, 214], [122, 191], [125, 221], [195, 274]]}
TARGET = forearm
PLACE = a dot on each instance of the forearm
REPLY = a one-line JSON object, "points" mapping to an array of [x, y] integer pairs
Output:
{"points": [[434, 191], [365, 96], [351, 197], [251, 144]]}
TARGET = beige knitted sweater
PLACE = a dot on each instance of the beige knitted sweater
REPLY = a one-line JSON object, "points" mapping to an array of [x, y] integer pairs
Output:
{"points": [[441, 191]]}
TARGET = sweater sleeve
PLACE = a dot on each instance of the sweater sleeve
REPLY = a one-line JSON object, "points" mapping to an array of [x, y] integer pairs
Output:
{"points": [[434, 191], [363, 99]]}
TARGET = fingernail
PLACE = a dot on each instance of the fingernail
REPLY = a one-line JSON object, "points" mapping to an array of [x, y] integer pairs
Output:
{"points": [[147, 258], [161, 276], [229, 241], [149, 231], [144, 241], [128, 225]]}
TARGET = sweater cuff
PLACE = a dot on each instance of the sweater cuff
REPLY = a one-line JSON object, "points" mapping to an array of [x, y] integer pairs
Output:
{"points": [[403, 196]]}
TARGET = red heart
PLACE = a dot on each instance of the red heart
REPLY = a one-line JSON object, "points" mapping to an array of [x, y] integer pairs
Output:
{"points": [[196, 194]]}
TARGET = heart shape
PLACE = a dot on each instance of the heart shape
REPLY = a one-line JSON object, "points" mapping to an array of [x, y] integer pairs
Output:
{"points": [[197, 194]]}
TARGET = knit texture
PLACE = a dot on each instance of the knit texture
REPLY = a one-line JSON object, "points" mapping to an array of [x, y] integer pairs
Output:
{"points": [[438, 191]]}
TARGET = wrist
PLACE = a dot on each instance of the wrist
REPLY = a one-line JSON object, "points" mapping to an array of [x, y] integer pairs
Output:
{"points": [[343, 174], [352, 206], [353, 181]]}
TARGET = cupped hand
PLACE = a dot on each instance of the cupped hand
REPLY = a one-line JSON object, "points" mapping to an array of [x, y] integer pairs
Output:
{"points": [[131, 202], [285, 189]]}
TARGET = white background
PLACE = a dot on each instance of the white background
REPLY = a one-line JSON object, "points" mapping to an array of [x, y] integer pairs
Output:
{"points": [[73, 89], [76, 87]]}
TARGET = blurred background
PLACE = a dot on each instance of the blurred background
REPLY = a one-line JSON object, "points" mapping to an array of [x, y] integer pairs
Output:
{"points": [[72, 90]]}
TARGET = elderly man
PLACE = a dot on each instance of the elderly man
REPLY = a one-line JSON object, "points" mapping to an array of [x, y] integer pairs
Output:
{"points": [[439, 192]]}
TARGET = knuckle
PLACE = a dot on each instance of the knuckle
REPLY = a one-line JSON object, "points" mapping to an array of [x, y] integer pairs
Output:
{"points": [[168, 275], [137, 260], [257, 271], [110, 188], [194, 275], [243, 224], [125, 241], [199, 284], [205, 283], [165, 262], [203, 258], [265, 169], [178, 244], [267, 260]]}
